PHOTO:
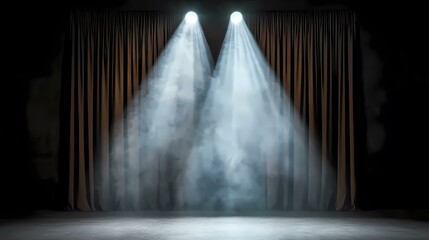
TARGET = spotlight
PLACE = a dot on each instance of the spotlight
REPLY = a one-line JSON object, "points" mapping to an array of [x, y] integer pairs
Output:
{"points": [[191, 17], [236, 17]]}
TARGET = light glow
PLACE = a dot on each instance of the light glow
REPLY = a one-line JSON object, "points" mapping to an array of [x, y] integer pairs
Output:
{"points": [[191, 17], [236, 17]]}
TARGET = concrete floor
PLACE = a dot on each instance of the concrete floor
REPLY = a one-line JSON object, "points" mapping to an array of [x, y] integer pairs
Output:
{"points": [[165, 226]]}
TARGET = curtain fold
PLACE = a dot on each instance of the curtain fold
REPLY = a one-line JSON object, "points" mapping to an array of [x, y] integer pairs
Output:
{"points": [[313, 55], [110, 54]]}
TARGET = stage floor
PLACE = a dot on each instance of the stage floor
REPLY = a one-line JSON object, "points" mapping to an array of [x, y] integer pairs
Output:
{"points": [[165, 226]]}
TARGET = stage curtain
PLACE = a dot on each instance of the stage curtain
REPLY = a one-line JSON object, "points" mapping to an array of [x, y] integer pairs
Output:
{"points": [[315, 56], [108, 55]]}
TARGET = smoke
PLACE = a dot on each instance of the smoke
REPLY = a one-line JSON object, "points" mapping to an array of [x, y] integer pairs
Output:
{"points": [[375, 96], [244, 125], [43, 121]]}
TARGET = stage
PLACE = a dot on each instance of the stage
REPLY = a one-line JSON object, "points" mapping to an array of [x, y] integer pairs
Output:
{"points": [[177, 225]]}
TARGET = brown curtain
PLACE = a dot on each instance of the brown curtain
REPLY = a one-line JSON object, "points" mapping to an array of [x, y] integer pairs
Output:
{"points": [[314, 56], [109, 54]]}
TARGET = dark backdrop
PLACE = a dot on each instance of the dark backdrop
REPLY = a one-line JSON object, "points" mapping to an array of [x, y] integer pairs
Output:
{"points": [[393, 175]]}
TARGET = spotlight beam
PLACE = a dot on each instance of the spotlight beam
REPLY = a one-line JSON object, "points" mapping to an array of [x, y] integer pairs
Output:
{"points": [[242, 128], [166, 111]]}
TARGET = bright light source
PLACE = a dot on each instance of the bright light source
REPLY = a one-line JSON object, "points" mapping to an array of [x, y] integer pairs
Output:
{"points": [[236, 17], [191, 17]]}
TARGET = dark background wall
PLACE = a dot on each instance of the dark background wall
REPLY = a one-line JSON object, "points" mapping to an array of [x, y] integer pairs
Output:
{"points": [[394, 77]]}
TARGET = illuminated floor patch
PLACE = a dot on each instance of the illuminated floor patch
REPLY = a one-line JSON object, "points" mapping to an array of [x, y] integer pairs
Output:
{"points": [[173, 226]]}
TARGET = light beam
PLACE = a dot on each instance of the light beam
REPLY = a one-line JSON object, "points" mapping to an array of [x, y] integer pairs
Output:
{"points": [[245, 130], [161, 120]]}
